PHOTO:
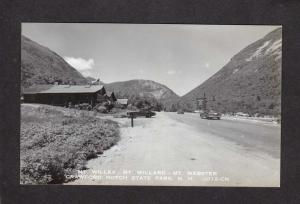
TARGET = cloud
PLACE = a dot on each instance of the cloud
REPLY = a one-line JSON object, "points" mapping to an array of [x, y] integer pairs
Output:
{"points": [[171, 72], [80, 64]]}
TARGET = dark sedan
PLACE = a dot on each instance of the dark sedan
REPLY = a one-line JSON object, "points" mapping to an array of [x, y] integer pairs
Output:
{"points": [[141, 113]]}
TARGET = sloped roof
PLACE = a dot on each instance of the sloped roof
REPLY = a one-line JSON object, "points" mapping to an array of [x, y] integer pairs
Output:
{"points": [[36, 89], [63, 89], [122, 101], [109, 93]]}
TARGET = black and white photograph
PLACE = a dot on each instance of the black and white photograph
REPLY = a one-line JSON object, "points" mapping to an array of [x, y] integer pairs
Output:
{"points": [[150, 104]]}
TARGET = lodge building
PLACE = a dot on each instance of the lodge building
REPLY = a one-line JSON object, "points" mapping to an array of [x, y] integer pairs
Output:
{"points": [[63, 95]]}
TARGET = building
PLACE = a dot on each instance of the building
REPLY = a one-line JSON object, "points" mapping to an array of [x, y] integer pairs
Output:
{"points": [[122, 102], [63, 95], [110, 96]]}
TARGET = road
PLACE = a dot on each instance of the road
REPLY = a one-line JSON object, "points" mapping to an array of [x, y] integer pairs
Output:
{"points": [[253, 135], [182, 149]]}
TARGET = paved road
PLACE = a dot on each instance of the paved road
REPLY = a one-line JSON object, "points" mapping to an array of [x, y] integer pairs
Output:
{"points": [[254, 136], [201, 152]]}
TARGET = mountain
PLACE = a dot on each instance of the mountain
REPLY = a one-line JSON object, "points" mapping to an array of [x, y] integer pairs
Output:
{"points": [[90, 79], [250, 82], [40, 65], [148, 89]]}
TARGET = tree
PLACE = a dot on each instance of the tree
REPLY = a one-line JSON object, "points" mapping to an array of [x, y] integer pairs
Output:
{"points": [[258, 98], [139, 104], [173, 108]]}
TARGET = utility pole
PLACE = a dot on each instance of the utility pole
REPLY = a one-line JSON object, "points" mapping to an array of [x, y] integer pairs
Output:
{"points": [[202, 103]]}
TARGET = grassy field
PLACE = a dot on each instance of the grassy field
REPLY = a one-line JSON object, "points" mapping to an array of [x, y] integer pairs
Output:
{"points": [[56, 142]]}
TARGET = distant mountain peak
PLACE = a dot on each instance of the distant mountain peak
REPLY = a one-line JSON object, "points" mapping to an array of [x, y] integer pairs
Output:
{"points": [[145, 89]]}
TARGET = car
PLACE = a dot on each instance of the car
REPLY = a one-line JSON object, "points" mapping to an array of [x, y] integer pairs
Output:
{"points": [[214, 115], [210, 115], [148, 114], [180, 112], [141, 113]]}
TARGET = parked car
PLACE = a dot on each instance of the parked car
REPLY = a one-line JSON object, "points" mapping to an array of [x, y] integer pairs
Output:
{"points": [[210, 115], [141, 113]]}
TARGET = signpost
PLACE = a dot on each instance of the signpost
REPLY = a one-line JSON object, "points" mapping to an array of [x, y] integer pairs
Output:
{"points": [[131, 116], [201, 102]]}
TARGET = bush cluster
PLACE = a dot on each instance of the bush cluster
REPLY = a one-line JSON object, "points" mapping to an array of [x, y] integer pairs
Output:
{"points": [[57, 145]]}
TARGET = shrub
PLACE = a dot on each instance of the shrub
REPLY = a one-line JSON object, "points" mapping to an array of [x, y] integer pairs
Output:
{"points": [[54, 147], [101, 109], [95, 113]]}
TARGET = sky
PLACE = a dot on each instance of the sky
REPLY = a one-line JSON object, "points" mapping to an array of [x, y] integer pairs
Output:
{"points": [[178, 56]]}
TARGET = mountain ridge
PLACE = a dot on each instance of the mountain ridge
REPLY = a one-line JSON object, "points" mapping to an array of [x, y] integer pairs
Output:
{"points": [[142, 88], [40, 65], [249, 82]]}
